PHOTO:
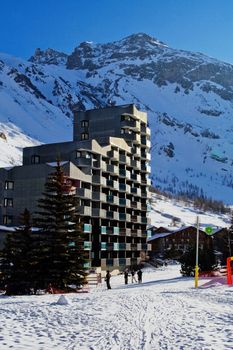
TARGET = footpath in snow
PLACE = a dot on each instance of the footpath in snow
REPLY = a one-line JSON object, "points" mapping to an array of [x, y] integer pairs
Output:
{"points": [[164, 312]]}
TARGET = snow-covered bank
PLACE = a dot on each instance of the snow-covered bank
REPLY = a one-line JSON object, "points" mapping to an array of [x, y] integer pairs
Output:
{"points": [[165, 312]]}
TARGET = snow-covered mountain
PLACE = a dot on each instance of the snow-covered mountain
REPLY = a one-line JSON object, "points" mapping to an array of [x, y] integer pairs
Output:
{"points": [[172, 214], [188, 97]]}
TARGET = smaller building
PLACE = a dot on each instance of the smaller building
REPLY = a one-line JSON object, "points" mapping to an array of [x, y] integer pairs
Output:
{"points": [[167, 243]]}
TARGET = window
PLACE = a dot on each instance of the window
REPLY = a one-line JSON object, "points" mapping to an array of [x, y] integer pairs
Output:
{"points": [[78, 154], [9, 185], [7, 219], [8, 202], [35, 159], [84, 136], [84, 123]]}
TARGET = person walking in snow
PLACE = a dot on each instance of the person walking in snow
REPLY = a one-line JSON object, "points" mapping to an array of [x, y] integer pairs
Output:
{"points": [[133, 278], [126, 274], [139, 276], [107, 279]]}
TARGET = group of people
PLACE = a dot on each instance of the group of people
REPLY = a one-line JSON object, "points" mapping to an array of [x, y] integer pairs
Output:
{"points": [[126, 276], [133, 277]]}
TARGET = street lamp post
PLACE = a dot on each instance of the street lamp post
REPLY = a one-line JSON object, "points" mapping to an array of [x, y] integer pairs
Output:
{"points": [[197, 246]]}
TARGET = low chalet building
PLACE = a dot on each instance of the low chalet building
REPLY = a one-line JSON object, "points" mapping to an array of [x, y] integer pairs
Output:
{"points": [[163, 240]]}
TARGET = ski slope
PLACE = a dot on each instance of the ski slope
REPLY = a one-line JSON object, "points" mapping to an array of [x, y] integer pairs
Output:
{"points": [[164, 312]]}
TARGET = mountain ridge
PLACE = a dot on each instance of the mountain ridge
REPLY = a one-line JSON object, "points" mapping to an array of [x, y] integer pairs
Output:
{"points": [[188, 97]]}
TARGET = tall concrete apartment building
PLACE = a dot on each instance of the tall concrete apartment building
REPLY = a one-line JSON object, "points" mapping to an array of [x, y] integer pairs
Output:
{"points": [[108, 165]]}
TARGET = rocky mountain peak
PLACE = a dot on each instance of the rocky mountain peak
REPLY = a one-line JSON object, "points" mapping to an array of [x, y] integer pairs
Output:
{"points": [[49, 56], [142, 39], [92, 56]]}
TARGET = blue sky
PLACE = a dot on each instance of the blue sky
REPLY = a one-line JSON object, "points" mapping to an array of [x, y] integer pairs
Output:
{"points": [[196, 25]]}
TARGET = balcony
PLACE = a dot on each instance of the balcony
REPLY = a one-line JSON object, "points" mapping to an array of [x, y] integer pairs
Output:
{"points": [[103, 230], [135, 190], [122, 216], [97, 196], [144, 220], [99, 180], [122, 172], [137, 138], [144, 194], [83, 192], [110, 199], [122, 261], [112, 184], [125, 231], [87, 265], [116, 230], [103, 245], [97, 212], [122, 246], [87, 245], [122, 158], [144, 246], [87, 228], [134, 246], [109, 262], [110, 246], [122, 201], [122, 187], [144, 207], [128, 246], [143, 129], [134, 218], [86, 211], [134, 233], [128, 123], [128, 136], [112, 169], [84, 162], [143, 155], [99, 165], [113, 155]]}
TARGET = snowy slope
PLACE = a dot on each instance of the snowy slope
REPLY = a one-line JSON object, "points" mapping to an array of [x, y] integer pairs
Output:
{"points": [[188, 97], [164, 209], [165, 312]]}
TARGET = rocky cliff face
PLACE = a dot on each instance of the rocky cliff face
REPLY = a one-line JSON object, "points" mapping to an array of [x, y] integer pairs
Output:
{"points": [[188, 97]]}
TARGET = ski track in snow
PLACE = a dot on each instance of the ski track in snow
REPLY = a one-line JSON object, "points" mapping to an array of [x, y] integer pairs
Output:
{"points": [[164, 312]]}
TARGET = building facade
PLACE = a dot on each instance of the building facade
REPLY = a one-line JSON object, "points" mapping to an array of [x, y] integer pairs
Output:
{"points": [[108, 164]]}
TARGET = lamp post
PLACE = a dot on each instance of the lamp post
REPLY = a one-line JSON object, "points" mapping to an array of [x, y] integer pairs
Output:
{"points": [[197, 245]]}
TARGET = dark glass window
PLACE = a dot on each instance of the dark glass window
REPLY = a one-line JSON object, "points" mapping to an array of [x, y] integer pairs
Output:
{"points": [[84, 136], [35, 159], [84, 123], [9, 185], [8, 202], [7, 219]]}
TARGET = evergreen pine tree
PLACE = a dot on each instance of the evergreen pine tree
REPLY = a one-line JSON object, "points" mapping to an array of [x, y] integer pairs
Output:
{"points": [[206, 259], [60, 248], [16, 264], [229, 239]]}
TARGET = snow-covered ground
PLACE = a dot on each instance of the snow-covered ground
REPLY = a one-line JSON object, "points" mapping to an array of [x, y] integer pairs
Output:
{"points": [[164, 312]]}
